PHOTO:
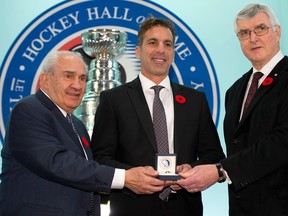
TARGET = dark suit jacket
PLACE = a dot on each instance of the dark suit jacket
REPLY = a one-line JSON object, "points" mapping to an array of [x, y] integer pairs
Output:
{"points": [[124, 137], [257, 146], [44, 170]]}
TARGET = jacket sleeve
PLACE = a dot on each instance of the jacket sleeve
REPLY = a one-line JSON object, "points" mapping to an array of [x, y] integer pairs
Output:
{"points": [[38, 141]]}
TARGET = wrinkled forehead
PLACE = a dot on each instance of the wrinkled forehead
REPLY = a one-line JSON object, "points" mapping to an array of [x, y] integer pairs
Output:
{"points": [[72, 64]]}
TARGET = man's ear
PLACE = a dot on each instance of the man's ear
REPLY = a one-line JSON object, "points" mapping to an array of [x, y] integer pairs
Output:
{"points": [[137, 51], [278, 32], [44, 80]]}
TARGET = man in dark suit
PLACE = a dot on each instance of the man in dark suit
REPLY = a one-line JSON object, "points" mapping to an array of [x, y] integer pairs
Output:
{"points": [[124, 137], [257, 137], [48, 167]]}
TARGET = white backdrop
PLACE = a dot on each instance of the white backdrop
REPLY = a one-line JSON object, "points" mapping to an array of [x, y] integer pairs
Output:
{"points": [[210, 20]]}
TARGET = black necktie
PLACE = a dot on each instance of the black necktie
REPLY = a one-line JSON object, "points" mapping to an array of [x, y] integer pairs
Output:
{"points": [[252, 89], [160, 128]]}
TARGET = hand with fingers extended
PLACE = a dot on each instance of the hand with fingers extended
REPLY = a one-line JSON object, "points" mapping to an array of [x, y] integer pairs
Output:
{"points": [[198, 178], [143, 180]]}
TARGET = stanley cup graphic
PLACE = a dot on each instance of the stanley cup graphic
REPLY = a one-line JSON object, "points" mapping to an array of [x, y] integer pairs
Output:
{"points": [[103, 45]]}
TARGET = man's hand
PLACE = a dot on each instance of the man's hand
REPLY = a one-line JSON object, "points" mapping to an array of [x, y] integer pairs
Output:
{"points": [[142, 180], [179, 169], [198, 178], [183, 168]]}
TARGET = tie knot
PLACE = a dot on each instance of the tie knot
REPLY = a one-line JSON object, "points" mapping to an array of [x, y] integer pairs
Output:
{"points": [[157, 89], [257, 75]]}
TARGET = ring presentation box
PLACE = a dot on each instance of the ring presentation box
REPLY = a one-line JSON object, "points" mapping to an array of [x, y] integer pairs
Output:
{"points": [[166, 166]]}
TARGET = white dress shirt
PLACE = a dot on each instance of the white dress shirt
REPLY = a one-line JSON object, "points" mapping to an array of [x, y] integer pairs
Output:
{"points": [[166, 97]]}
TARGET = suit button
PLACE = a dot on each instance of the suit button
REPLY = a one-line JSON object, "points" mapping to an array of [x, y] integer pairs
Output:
{"points": [[235, 141]]}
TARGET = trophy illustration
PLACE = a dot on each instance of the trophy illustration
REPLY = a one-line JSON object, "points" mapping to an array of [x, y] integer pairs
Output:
{"points": [[104, 46]]}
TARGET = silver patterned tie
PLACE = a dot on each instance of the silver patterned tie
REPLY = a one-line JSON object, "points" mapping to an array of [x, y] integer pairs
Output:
{"points": [[159, 122], [160, 128], [70, 120]]}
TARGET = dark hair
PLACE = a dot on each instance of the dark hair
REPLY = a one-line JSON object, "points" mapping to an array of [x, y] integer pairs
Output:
{"points": [[151, 22]]}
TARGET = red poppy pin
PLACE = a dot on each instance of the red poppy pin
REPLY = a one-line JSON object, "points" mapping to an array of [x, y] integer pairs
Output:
{"points": [[85, 142], [180, 99], [267, 81]]}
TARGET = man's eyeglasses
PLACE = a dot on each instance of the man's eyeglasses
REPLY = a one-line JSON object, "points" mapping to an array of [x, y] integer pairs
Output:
{"points": [[258, 30]]}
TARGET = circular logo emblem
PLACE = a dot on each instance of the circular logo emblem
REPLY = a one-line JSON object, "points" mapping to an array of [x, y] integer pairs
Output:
{"points": [[165, 163], [61, 26]]}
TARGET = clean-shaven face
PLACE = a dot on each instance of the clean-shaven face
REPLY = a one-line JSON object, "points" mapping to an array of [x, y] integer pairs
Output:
{"points": [[259, 49], [156, 53], [66, 85]]}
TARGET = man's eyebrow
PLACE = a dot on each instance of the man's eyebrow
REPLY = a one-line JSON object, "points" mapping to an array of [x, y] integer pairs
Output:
{"points": [[261, 24], [155, 39], [170, 41], [149, 39], [69, 71]]}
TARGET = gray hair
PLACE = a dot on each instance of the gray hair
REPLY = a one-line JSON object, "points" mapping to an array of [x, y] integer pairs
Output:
{"points": [[252, 10], [51, 60]]}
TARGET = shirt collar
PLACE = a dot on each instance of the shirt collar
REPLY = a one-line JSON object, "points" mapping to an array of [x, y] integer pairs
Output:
{"points": [[271, 64], [147, 83], [61, 110]]}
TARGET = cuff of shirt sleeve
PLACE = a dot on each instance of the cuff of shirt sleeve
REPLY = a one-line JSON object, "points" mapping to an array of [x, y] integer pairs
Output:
{"points": [[227, 177], [118, 179]]}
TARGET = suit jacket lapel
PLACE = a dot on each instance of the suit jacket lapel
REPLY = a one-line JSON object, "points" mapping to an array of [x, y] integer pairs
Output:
{"points": [[84, 138], [240, 98], [263, 89], [179, 118], [138, 99], [57, 113]]}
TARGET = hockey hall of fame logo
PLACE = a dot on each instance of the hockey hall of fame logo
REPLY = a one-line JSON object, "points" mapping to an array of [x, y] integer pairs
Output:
{"points": [[60, 28]]}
